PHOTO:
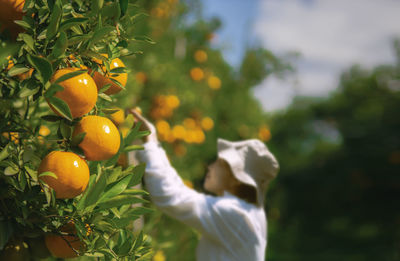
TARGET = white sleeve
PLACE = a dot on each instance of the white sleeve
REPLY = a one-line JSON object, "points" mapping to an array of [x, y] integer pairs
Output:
{"points": [[169, 193]]}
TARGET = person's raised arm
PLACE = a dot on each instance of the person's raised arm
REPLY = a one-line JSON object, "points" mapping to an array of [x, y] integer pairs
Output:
{"points": [[172, 196]]}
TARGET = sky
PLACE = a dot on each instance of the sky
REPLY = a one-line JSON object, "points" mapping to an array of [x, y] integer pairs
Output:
{"points": [[330, 35]]}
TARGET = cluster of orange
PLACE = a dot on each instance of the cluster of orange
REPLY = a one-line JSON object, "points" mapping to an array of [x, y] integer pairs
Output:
{"points": [[190, 131], [163, 106], [197, 74], [164, 9], [100, 142]]}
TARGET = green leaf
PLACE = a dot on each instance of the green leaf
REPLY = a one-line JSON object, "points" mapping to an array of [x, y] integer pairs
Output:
{"points": [[5, 152], [123, 4], [138, 173], [117, 83], [42, 66], [120, 200], [105, 88], [17, 69], [55, 19], [97, 5], [25, 92], [32, 173], [81, 203], [100, 34], [66, 130], [118, 70], [28, 40], [47, 173], [6, 230], [78, 38], [22, 180], [60, 46], [143, 38], [132, 147], [70, 75], [97, 190], [105, 97], [61, 107], [11, 170], [53, 89], [23, 24], [109, 111], [77, 139], [51, 118], [116, 188], [72, 22]]}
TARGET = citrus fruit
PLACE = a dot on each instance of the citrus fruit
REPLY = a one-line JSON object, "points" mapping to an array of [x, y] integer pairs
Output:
{"points": [[102, 138], [118, 117], [200, 56], [71, 170], [104, 79], [207, 123], [214, 82], [11, 10], [197, 74], [80, 92], [63, 246]]}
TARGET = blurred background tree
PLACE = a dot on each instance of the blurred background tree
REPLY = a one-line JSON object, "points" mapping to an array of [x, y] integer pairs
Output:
{"points": [[335, 196]]}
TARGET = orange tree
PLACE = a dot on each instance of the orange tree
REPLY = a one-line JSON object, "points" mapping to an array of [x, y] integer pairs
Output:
{"points": [[60, 185], [193, 96]]}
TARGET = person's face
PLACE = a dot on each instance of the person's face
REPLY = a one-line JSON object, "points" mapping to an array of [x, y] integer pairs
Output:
{"points": [[218, 178]]}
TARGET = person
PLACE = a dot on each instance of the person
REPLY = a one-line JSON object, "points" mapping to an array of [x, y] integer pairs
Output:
{"points": [[232, 223]]}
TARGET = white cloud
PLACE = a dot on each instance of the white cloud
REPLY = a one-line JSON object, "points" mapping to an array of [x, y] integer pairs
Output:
{"points": [[331, 35]]}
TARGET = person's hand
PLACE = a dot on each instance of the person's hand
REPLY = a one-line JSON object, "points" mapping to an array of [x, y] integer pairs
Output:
{"points": [[146, 125]]}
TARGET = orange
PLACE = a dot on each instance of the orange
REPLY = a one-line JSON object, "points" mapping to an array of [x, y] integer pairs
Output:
{"points": [[197, 74], [11, 10], [118, 117], [80, 92], [207, 123], [264, 133], [141, 77], [63, 246], [14, 136], [103, 79], [71, 170], [214, 82], [200, 56], [102, 138]]}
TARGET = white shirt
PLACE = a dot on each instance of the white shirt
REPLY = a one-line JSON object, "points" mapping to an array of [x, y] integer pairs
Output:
{"points": [[231, 228]]}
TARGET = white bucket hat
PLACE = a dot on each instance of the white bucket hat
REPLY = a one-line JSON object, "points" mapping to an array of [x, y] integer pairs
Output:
{"points": [[251, 163]]}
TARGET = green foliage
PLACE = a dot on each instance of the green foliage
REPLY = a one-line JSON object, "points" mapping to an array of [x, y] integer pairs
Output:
{"points": [[59, 34], [335, 196]]}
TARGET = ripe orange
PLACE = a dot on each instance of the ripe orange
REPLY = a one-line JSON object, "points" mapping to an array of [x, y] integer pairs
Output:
{"points": [[11, 10], [71, 170], [200, 56], [80, 92], [118, 117], [214, 82], [197, 74], [102, 138], [61, 246], [103, 79]]}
